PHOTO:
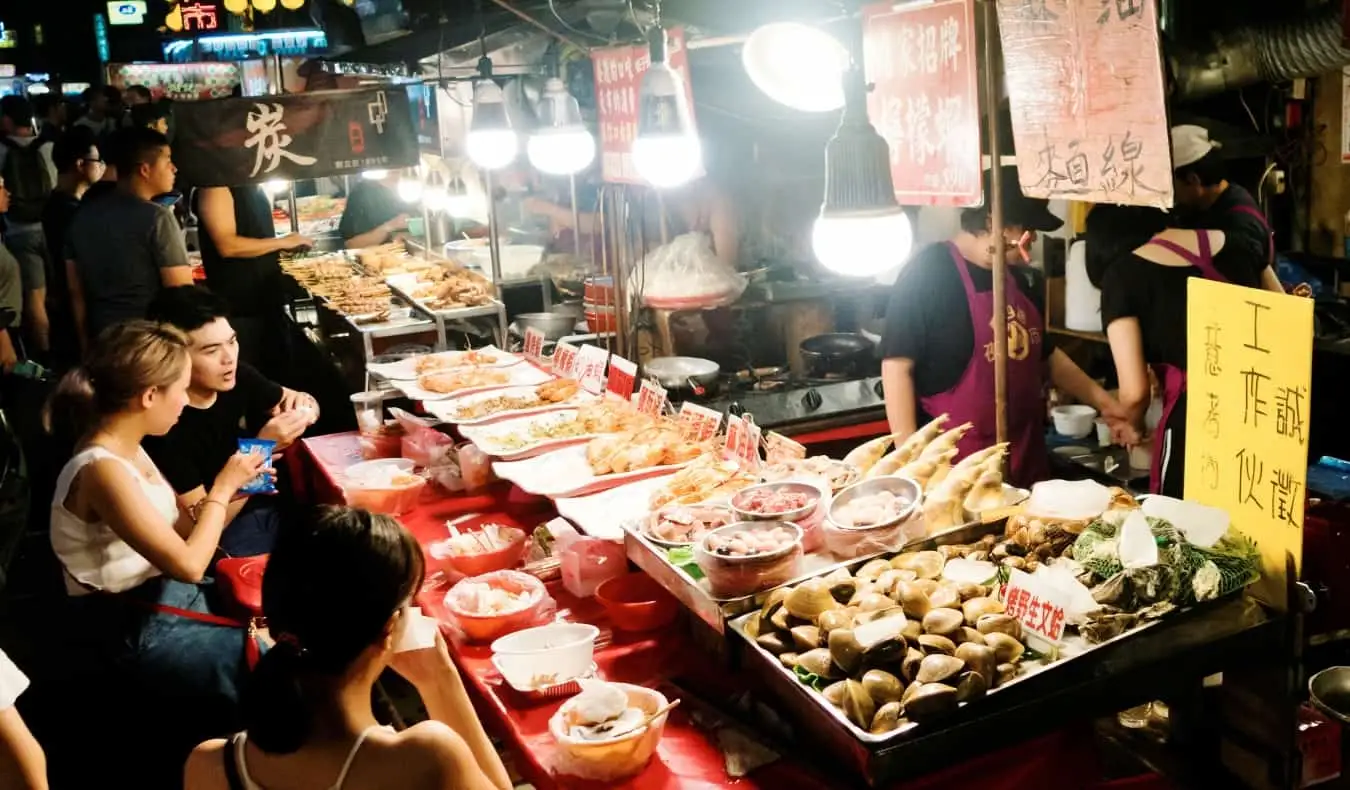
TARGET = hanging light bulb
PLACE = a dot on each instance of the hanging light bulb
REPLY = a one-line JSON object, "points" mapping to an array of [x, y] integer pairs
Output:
{"points": [[275, 187], [236, 6], [374, 175], [861, 230], [264, 6], [458, 204], [561, 145], [797, 65], [667, 151], [409, 187], [434, 194], [292, 5], [492, 143]]}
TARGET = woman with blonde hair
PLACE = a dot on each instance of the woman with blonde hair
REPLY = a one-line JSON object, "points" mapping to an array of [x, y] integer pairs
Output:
{"points": [[134, 564]]}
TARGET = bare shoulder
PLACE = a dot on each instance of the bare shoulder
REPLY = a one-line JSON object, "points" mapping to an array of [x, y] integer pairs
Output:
{"points": [[434, 751], [205, 769]]}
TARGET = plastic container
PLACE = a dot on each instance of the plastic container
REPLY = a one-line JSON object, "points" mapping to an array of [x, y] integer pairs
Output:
{"points": [[600, 319], [734, 577], [586, 563], [1075, 421], [364, 487], [614, 759], [477, 627], [545, 656], [439, 557], [635, 602], [369, 407], [426, 448], [475, 467]]}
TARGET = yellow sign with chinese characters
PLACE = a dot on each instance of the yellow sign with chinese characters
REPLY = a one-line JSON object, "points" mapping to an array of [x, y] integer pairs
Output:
{"points": [[1249, 375]]}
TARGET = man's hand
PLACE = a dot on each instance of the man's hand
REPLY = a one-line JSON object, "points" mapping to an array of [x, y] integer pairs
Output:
{"points": [[285, 428], [396, 224], [295, 241], [9, 357], [302, 402]]}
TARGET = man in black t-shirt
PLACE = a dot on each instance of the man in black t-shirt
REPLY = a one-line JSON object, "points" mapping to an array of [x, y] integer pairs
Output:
{"points": [[374, 213], [227, 400]]}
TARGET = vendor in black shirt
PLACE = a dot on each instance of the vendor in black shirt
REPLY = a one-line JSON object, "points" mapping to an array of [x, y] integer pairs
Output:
{"points": [[240, 252], [1206, 200], [227, 400], [374, 212], [78, 167], [938, 342]]}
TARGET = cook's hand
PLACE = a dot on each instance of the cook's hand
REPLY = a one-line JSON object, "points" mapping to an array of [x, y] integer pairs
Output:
{"points": [[285, 428], [397, 223], [291, 400], [295, 241], [9, 357], [241, 468], [1125, 434], [428, 667]]}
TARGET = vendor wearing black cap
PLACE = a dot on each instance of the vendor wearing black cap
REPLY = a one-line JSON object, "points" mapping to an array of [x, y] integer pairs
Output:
{"points": [[938, 343], [1205, 200]]}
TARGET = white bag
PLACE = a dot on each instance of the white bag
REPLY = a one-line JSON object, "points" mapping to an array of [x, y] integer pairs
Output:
{"points": [[685, 274]]}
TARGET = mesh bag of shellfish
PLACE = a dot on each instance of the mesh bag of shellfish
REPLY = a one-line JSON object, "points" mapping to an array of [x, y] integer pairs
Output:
{"points": [[1222, 569], [1097, 549]]}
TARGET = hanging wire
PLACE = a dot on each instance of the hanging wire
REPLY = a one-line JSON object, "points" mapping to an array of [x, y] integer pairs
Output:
{"points": [[536, 23], [553, 9]]}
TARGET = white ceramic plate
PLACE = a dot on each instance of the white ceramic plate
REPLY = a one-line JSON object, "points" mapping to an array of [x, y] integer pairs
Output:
{"points": [[565, 472], [448, 410], [516, 375], [489, 438], [406, 369], [603, 515]]}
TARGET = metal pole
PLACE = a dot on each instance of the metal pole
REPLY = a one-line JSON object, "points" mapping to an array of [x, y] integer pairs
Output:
{"points": [[576, 216], [494, 246], [295, 216], [1000, 267]]}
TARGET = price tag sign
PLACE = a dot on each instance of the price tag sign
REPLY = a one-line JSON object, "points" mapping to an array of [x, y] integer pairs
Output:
{"points": [[651, 398], [590, 368], [780, 448], [564, 360], [622, 378], [736, 436], [1040, 610], [700, 423], [534, 344], [743, 440]]}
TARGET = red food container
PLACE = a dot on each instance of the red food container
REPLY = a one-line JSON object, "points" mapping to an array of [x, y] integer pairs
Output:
{"points": [[487, 627], [635, 602], [599, 291], [600, 319], [505, 558]]}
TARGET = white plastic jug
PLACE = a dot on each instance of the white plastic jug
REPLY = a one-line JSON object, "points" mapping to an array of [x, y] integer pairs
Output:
{"points": [[1082, 300]]}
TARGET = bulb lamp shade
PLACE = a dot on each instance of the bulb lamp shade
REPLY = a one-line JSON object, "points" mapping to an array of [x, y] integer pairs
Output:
{"points": [[409, 189], [561, 145], [861, 230], [435, 195], [374, 175], [797, 65], [492, 143], [457, 201], [667, 152]]}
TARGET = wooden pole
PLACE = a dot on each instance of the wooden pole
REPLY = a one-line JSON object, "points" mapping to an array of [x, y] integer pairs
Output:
{"points": [[1000, 318]]}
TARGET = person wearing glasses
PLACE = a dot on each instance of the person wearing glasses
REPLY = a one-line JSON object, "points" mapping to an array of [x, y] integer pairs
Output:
{"points": [[79, 166]]}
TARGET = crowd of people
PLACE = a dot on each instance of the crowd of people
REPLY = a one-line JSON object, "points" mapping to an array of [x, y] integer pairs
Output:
{"points": [[149, 382]]}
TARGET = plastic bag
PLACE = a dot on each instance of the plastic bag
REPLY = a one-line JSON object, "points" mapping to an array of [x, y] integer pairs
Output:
{"points": [[422, 443], [480, 609], [847, 544], [262, 484], [685, 274], [738, 577]]}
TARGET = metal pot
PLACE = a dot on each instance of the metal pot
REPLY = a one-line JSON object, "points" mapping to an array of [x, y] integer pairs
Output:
{"points": [[836, 354], [1330, 692], [684, 373], [555, 326]]}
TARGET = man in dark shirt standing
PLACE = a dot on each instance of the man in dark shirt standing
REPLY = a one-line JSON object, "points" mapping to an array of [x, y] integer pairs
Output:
{"points": [[122, 249], [227, 400], [1206, 200], [373, 213], [78, 166]]}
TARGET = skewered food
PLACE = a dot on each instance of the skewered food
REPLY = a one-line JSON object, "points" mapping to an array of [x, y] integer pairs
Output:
{"points": [[455, 380]]}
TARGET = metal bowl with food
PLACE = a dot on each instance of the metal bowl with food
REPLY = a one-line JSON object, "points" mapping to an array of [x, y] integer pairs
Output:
{"points": [[872, 504], [554, 326], [675, 526], [786, 501], [752, 541]]}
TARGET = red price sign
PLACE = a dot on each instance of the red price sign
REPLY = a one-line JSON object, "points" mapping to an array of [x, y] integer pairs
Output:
{"points": [[618, 76], [1036, 610], [621, 379], [534, 344], [921, 58], [651, 398], [700, 423], [590, 368], [743, 440], [565, 360]]}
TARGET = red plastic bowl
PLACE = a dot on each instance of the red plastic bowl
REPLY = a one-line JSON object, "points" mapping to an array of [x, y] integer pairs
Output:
{"points": [[635, 602], [487, 627], [501, 559]]}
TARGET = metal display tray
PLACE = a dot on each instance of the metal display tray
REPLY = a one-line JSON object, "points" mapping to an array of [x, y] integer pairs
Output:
{"points": [[476, 311]]}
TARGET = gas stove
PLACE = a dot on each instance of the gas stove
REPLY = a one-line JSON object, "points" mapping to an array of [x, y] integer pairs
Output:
{"points": [[799, 405]]}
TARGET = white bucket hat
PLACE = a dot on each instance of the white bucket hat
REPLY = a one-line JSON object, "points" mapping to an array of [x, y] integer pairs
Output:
{"points": [[1190, 143]]}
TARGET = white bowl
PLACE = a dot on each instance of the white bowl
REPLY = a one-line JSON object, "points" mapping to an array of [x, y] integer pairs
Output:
{"points": [[1074, 421], [555, 653], [361, 475]]}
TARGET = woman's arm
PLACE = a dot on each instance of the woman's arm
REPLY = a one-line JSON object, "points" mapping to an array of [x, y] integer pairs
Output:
{"points": [[23, 766], [1270, 281], [450, 704], [897, 381], [1127, 349]]}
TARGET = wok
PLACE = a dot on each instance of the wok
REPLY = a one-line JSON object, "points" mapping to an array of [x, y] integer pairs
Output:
{"points": [[555, 326], [835, 354], [684, 373]]}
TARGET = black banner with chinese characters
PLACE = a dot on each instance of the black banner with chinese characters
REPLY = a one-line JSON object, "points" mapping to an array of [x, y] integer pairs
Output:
{"points": [[228, 142]]}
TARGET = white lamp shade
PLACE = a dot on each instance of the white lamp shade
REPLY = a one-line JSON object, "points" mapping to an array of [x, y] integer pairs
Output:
{"points": [[459, 206], [667, 152], [275, 187], [666, 161], [492, 144], [797, 65], [561, 153], [862, 245], [409, 190]]}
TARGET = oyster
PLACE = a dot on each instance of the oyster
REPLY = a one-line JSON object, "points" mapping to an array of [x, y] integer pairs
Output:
{"points": [[888, 717], [819, 663], [774, 643], [883, 686], [971, 686], [809, 599], [932, 643], [909, 668], [871, 570], [946, 596], [939, 668], [1006, 649], [834, 693], [858, 705], [943, 622], [977, 607], [989, 623], [930, 701], [1101, 627], [978, 658], [806, 637], [912, 598]]}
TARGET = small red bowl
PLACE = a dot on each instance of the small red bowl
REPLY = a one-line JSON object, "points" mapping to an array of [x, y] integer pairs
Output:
{"points": [[635, 602], [502, 559]]}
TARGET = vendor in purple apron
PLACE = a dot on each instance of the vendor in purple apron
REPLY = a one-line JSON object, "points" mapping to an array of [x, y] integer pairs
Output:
{"points": [[938, 344], [1205, 199]]}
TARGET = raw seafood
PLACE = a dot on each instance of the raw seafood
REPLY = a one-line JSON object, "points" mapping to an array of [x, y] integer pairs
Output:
{"points": [[772, 502], [837, 474], [681, 524], [749, 542], [455, 380], [866, 511], [484, 600], [708, 477]]}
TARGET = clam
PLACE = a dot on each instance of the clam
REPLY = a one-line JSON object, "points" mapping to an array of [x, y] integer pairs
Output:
{"points": [[1015, 562], [878, 614], [926, 564], [939, 668], [772, 604], [1006, 672], [873, 601], [943, 622], [970, 686], [751, 627], [806, 637], [819, 663], [912, 598], [967, 590], [987, 541], [979, 555], [845, 650], [871, 570], [912, 631], [788, 660], [952, 552], [834, 619], [909, 668], [883, 686], [902, 561], [858, 705], [861, 589], [1006, 649], [882, 641], [780, 620], [910, 691], [946, 596], [885, 583], [809, 599], [929, 586], [774, 643], [932, 643], [978, 658], [968, 634], [975, 608], [887, 718], [1002, 623], [930, 701], [834, 693], [842, 584]]}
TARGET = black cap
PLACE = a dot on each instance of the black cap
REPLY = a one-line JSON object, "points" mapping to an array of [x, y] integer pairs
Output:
{"points": [[1018, 209]]}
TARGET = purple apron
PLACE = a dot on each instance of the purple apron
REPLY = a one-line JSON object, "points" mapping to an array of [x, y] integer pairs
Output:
{"points": [[972, 399], [1270, 234], [1173, 379]]}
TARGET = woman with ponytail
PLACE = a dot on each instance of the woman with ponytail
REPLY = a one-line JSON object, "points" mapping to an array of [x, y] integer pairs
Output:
{"points": [[133, 561], [336, 594]]}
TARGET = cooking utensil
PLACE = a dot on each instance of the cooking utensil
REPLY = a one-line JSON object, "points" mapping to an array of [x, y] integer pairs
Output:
{"points": [[1330, 692], [684, 373], [555, 326], [835, 354]]}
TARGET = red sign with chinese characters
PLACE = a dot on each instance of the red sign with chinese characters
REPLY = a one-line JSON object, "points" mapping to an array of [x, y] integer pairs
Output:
{"points": [[1037, 614], [1085, 87], [621, 379], [199, 16], [534, 344], [564, 360], [925, 102], [618, 77], [651, 398], [743, 440]]}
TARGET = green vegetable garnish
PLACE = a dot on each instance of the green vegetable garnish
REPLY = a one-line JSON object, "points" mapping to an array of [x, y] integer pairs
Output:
{"points": [[809, 678]]}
